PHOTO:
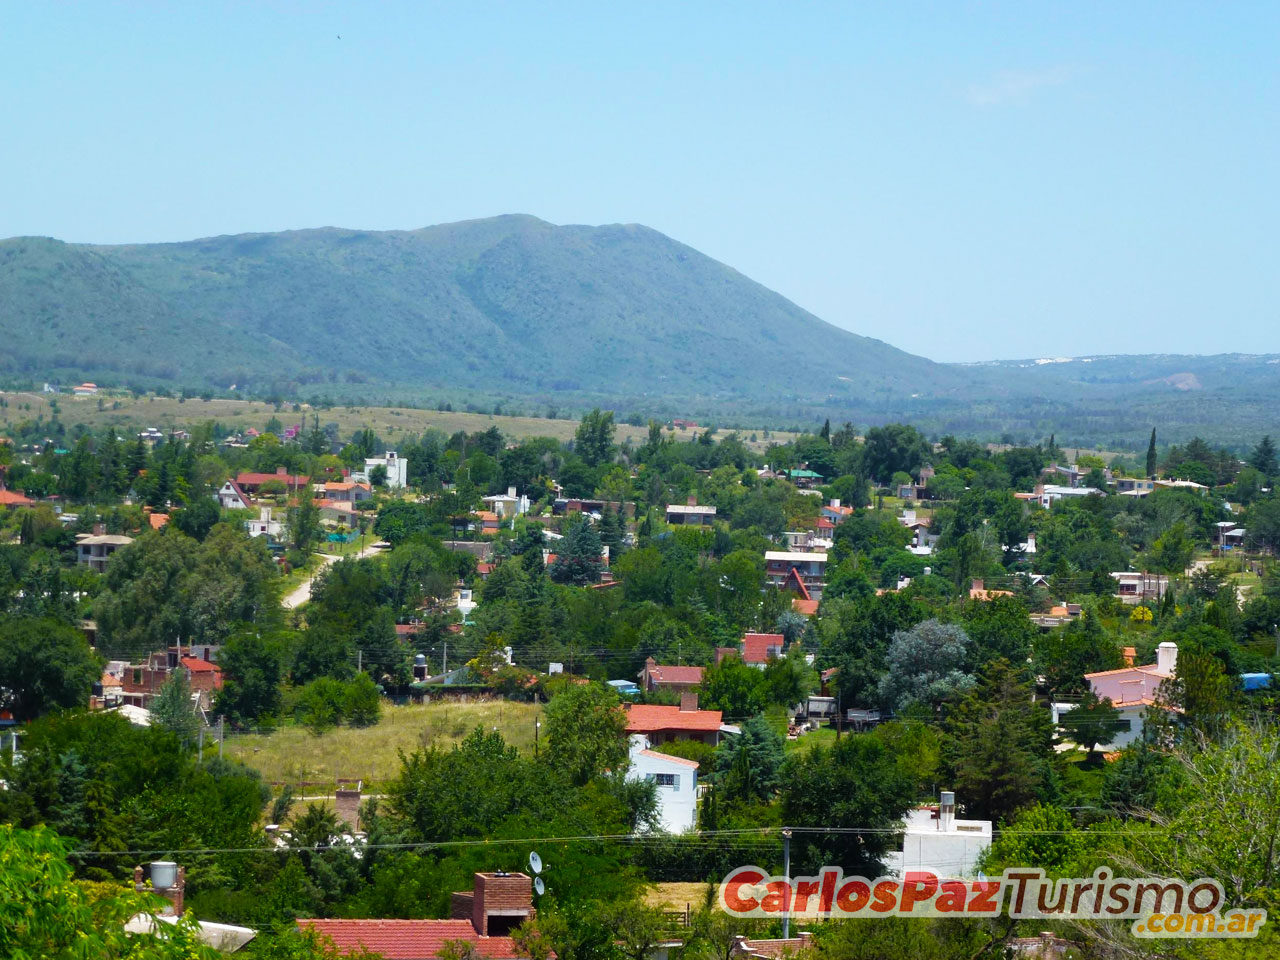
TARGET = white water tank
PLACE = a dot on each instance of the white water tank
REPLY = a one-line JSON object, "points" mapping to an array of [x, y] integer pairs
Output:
{"points": [[164, 875]]}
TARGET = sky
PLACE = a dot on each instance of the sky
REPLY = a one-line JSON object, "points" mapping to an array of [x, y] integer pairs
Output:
{"points": [[967, 181]]}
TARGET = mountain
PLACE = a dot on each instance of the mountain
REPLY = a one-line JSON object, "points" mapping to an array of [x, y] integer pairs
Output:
{"points": [[517, 311], [510, 304]]}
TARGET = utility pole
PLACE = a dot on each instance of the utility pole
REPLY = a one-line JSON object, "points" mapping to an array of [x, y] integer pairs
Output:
{"points": [[536, 724], [221, 736], [200, 748], [786, 872], [444, 667], [359, 661]]}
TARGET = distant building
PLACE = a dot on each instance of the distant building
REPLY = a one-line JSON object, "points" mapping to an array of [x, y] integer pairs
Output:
{"points": [[251, 482], [231, 497], [397, 469], [507, 505], [679, 679], [95, 550], [85, 390], [691, 513], [686, 722], [759, 648], [935, 841], [809, 568], [264, 525], [1131, 690], [676, 780]]}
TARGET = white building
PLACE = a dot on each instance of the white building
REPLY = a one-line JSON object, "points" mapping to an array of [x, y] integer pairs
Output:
{"points": [[397, 469], [264, 525], [934, 840], [507, 505], [1133, 691], [1050, 493], [677, 782], [231, 497]]}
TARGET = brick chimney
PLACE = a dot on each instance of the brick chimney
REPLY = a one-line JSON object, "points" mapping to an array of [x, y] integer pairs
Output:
{"points": [[172, 893], [693, 500], [282, 471], [688, 701], [500, 902], [347, 802], [977, 584]]}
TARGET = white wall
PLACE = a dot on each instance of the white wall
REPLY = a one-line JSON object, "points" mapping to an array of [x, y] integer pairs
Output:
{"points": [[948, 853], [678, 804]]}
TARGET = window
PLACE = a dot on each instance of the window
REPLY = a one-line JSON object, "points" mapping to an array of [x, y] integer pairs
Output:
{"points": [[668, 780]]}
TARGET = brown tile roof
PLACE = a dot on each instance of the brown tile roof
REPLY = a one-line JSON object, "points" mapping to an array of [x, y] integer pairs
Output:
{"points": [[258, 479], [805, 607], [755, 646], [11, 498], [667, 674], [651, 718], [409, 939]]}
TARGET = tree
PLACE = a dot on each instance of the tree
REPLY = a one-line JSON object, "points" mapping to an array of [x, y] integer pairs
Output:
{"points": [[304, 524], [378, 475], [44, 665], [586, 732], [577, 555], [363, 705], [45, 913], [748, 764], [197, 518], [853, 783], [1151, 455], [593, 440], [733, 687], [1263, 457], [1000, 745], [250, 680], [925, 665], [1095, 721], [892, 448], [1083, 646], [172, 708]]}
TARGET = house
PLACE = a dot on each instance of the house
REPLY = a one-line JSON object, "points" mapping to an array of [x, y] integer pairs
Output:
{"points": [[396, 466], [231, 496], [139, 682], [654, 677], [11, 498], [94, 550], [978, 591], [341, 512], [690, 513], [157, 521], [1134, 486], [251, 482], [934, 840], [1190, 485], [686, 722], [345, 490], [759, 648], [804, 479], [151, 436], [806, 608], [810, 569], [623, 688], [85, 390], [1058, 615], [917, 490], [683, 424], [676, 780], [1132, 690], [483, 917], [487, 523], [507, 505], [264, 525], [1136, 587], [1048, 494], [833, 512], [563, 506]]}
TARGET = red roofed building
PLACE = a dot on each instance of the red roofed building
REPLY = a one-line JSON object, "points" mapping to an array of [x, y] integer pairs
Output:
{"points": [[686, 722], [250, 482], [655, 677], [483, 917], [10, 498], [759, 648]]}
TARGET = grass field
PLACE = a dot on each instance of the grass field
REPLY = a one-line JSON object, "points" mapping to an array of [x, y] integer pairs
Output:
{"points": [[674, 896], [293, 755], [390, 423]]}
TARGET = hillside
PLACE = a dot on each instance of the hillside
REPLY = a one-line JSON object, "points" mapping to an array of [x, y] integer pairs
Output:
{"points": [[511, 303], [513, 312]]}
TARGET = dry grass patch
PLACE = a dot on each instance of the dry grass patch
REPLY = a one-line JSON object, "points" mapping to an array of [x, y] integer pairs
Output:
{"points": [[294, 755]]}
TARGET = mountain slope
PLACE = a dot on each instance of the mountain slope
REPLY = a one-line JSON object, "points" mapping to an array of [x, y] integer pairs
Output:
{"points": [[510, 303]]}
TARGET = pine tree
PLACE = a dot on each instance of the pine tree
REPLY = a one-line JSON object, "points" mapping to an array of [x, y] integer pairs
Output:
{"points": [[1263, 458], [1151, 454], [825, 434], [172, 708]]}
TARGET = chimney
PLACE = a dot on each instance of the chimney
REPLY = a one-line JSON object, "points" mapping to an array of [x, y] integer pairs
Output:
{"points": [[834, 504], [946, 810], [168, 880], [500, 902], [99, 529], [281, 472], [1167, 658], [346, 803], [511, 492], [688, 701], [977, 584], [693, 500], [650, 663], [1130, 653]]}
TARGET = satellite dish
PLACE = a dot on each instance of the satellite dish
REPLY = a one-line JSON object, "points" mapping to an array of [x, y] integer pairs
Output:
{"points": [[535, 862], [538, 886]]}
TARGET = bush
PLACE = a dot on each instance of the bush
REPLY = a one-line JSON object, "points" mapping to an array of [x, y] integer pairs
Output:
{"points": [[326, 702], [363, 701]]}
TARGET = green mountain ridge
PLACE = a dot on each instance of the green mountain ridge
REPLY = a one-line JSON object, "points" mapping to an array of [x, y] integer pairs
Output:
{"points": [[518, 309]]}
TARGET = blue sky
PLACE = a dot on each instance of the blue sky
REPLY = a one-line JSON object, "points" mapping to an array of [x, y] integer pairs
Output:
{"points": [[966, 181]]}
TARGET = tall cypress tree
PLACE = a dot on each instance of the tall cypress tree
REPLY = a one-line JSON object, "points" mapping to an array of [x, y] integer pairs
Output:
{"points": [[1151, 454]]}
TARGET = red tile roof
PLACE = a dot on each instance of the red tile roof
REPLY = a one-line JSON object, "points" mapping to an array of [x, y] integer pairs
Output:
{"points": [[755, 646], [409, 939], [651, 718], [196, 665], [662, 674], [805, 608], [10, 498], [258, 479], [157, 520]]}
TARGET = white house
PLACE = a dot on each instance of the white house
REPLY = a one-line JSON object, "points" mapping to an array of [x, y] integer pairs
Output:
{"points": [[507, 505], [934, 840], [397, 469], [1132, 691], [1050, 493], [231, 497], [264, 525], [677, 782]]}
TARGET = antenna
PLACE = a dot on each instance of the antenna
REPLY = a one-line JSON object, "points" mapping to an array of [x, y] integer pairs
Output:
{"points": [[538, 886], [535, 864]]}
